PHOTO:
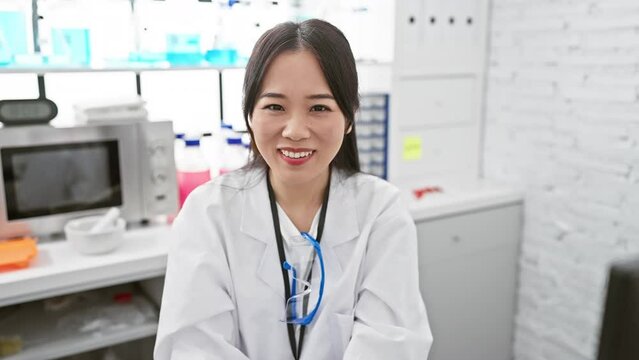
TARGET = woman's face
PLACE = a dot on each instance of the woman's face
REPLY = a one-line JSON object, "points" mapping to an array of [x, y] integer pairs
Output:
{"points": [[297, 126]]}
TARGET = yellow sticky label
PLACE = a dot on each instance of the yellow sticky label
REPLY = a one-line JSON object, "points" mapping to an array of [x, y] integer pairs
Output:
{"points": [[412, 148]]}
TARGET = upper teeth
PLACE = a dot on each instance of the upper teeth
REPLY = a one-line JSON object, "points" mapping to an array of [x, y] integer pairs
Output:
{"points": [[296, 155]]}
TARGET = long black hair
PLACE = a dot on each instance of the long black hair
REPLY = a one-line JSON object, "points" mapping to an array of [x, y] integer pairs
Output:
{"points": [[333, 52]]}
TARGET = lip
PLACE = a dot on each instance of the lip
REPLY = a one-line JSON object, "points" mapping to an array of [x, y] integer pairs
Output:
{"points": [[295, 162], [292, 149]]}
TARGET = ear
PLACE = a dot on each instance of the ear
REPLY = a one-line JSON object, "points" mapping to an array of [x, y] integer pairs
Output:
{"points": [[348, 131]]}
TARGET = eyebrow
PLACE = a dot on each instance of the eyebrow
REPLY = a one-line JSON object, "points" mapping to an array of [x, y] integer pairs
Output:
{"points": [[282, 96]]}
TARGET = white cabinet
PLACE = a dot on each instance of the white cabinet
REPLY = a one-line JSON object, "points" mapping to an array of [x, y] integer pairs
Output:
{"points": [[468, 267], [440, 36], [437, 89]]}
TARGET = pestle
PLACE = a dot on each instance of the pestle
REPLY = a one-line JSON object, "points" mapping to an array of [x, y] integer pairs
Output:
{"points": [[105, 221]]}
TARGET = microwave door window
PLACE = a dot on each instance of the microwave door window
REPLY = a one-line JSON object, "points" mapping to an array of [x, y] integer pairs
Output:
{"points": [[55, 179], [60, 179]]}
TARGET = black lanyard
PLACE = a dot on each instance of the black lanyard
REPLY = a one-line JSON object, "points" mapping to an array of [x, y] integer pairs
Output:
{"points": [[297, 350]]}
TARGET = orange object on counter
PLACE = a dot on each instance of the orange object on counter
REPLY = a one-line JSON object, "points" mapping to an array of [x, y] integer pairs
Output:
{"points": [[17, 253]]}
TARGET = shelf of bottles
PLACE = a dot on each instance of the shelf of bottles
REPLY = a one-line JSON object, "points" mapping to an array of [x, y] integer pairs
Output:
{"points": [[44, 36], [372, 133], [41, 36]]}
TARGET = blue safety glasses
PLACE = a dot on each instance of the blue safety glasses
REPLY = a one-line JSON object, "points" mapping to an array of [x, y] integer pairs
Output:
{"points": [[301, 290]]}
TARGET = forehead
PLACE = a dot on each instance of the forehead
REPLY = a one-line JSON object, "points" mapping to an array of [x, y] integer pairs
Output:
{"points": [[295, 73]]}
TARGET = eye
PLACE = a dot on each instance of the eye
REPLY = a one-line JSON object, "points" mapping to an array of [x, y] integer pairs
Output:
{"points": [[273, 107], [320, 108]]}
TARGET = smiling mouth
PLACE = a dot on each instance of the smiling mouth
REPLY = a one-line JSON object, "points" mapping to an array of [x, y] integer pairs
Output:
{"points": [[296, 154]]}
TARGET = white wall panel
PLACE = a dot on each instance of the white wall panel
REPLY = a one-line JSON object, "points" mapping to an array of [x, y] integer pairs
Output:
{"points": [[441, 101]]}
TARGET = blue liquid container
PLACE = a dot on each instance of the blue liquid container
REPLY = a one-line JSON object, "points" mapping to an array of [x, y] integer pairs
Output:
{"points": [[183, 49], [13, 36], [222, 57], [73, 44]]}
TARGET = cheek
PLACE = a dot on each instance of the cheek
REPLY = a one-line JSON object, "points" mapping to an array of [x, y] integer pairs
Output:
{"points": [[262, 131], [338, 137], [333, 136], [339, 130]]}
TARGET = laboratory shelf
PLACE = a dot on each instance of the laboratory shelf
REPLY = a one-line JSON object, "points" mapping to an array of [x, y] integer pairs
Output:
{"points": [[138, 67], [84, 343], [58, 269], [135, 67], [141, 68]]}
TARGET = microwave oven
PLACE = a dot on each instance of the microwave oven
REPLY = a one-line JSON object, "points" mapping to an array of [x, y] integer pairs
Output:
{"points": [[50, 175]]}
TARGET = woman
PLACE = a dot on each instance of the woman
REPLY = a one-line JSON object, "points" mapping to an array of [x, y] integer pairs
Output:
{"points": [[298, 255]]}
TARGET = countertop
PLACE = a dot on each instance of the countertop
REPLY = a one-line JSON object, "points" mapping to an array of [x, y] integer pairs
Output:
{"points": [[458, 198]]}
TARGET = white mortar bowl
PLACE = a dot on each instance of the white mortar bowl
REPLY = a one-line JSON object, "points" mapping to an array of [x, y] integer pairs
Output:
{"points": [[77, 233]]}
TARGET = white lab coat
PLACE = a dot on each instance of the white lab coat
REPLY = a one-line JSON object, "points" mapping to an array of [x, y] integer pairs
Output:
{"points": [[224, 293]]}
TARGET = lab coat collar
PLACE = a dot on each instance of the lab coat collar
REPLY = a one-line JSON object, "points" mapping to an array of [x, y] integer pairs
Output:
{"points": [[341, 217]]}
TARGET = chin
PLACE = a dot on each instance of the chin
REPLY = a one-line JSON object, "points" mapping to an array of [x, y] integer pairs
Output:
{"points": [[293, 177]]}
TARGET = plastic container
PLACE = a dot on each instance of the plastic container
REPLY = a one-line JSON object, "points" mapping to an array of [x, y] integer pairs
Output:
{"points": [[192, 169], [235, 155], [181, 41], [72, 45], [221, 57], [223, 50], [16, 254], [226, 130], [178, 145], [213, 145], [183, 49], [104, 241], [80, 32], [13, 35]]}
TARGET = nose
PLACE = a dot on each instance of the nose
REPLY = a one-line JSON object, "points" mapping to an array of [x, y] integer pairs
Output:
{"points": [[296, 128]]}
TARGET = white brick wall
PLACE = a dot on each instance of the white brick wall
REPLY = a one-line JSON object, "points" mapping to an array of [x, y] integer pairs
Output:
{"points": [[562, 121]]}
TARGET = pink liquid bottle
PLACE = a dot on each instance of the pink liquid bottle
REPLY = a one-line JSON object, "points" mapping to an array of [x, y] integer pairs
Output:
{"points": [[192, 169]]}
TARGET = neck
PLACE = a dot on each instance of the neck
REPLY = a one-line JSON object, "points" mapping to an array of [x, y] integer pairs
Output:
{"points": [[307, 195]]}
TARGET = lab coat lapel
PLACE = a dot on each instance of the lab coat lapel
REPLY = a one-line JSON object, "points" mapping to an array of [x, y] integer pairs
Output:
{"points": [[340, 227], [341, 221], [257, 222]]}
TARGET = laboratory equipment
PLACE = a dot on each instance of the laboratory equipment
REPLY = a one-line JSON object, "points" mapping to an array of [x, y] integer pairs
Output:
{"points": [[27, 111], [50, 175], [80, 234], [235, 155], [72, 45], [108, 220], [180, 43], [13, 35], [110, 110], [83, 33], [223, 51], [297, 304], [192, 169]]}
